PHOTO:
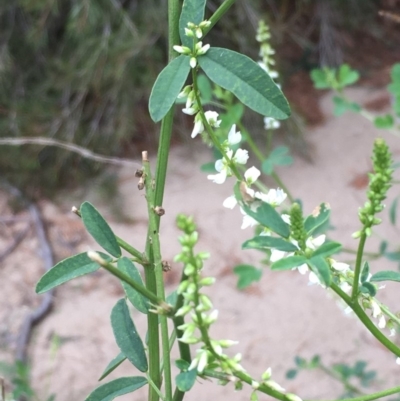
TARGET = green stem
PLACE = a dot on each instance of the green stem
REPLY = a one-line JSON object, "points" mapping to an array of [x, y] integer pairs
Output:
{"points": [[348, 386], [155, 388], [221, 10], [135, 285], [374, 396], [283, 397], [154, 240], [357, 268], [357, 309], [134, 252]]}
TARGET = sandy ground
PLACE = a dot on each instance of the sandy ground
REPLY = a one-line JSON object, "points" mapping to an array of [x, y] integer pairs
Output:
{"points": [[276, 319]]}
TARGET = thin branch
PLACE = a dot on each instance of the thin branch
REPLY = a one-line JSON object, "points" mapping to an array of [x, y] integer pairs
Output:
{"points": [[88, 154]]}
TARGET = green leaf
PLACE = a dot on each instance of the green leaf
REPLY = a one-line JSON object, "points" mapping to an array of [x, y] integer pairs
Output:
{"points": [[291, 374], [181, 364], [267, 216], [246, 80], [288, 263], [278, 157], [113, 365], [321, 269], [364, 272], [327, 249], [300, 362], [319, 78], [140, 302], [167, 87], [386, 275], [185, 380], [266, 241], [393, 211], [126, 336], [67, 270], [384, 122], [192, 11], [247, 275], [394, 256], [117, 387], [368, 288], [342, 105], [320, 216], [99, 229], [347, 76], [231, 116]]}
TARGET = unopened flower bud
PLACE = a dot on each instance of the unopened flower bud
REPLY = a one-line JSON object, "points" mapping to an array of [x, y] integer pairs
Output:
{"points": [[193, 62]]}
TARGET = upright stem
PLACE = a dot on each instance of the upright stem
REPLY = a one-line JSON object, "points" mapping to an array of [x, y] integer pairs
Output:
{"points": [[357, 269]]}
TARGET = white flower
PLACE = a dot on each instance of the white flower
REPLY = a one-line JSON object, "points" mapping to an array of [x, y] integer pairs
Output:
{"points": [[251, 175], [340, 267], [274, 196], [212, 118], [376, 309], [182, 49], [248, 221], [313, 279], [193, 62], [223, 168], [277, 255], [198, 128], [271, 123], [303, 269], [230, 202], [314, 243], [286, 218], [345, 286], [203, 49], [203, 359], [382, 322], [398, 361], [190, 111], [241, 156], [233, 136]]}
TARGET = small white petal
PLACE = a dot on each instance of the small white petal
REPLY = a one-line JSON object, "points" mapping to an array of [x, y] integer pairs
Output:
{"points": [[198, 128], [218, 178], [193, 62], [230, 202], [303, 269], [286, 218], [277, 255], [382, 322], [313, 278], [340, 267], [219, 165], [190, 110], [212, 118], [203, 50], [376, 309], [248, 221], [233, 136], [398, 361], [241, 156], [251, 175]]}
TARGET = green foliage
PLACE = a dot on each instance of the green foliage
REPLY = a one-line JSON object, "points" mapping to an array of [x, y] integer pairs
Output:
{"points": [[386, 275], [267, 241], [167, 87], [136, 299], [289, 262], [126, 336], [99, 229], [247, 275], [384, 122], [113, 365], [67, 270], [328, 249], [186, 379], [332, 78], [117, 387], [278, 157], [342, 105], [192, 11], [246, 80], [320, 266], [318, 218]]}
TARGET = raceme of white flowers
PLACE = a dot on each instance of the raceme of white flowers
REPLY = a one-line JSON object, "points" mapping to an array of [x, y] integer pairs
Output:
{"points": [[267, 63]]}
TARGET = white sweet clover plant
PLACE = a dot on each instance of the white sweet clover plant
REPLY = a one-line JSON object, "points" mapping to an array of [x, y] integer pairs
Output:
{"points": [[290, 240], [305, 244]]}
